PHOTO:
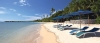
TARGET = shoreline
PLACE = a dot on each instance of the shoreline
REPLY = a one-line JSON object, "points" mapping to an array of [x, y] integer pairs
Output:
{"points": [[47, 36], [53, 33]]}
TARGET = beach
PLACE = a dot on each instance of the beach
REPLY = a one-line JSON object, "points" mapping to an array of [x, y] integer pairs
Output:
{"points": [[47, 36], [65, 37], [46, 33]]}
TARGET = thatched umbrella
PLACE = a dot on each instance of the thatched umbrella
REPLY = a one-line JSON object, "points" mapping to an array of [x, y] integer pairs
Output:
{"points": [[73, 14], [66, 16], [81, 12], [58, 18]]}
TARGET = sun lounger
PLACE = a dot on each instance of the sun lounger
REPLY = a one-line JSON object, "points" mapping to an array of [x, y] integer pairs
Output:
{"points": [[85, 32], [74, 31], [56, 26], [63, 27]]}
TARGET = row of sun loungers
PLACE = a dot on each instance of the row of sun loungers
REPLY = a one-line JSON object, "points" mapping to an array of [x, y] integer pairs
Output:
{"points": [[77, 32]]}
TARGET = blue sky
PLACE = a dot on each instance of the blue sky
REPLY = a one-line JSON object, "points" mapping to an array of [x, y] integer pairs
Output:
{"points": [[23, 10]]}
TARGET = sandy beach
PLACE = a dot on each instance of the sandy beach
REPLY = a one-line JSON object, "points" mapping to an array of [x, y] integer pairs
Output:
{"points": [[65, 37], [47, 36]]}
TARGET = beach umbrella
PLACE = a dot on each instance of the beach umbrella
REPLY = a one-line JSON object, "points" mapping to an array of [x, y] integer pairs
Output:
{"points": [[61, 18], [81, 12], [58, 18], [73, 14], [66, 16]]}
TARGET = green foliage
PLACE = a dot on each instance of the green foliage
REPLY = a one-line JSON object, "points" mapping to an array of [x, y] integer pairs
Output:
{"points": [[52, 10], [57, 14], [98, 20], [45, 20], [75, 5], [38, 20]]}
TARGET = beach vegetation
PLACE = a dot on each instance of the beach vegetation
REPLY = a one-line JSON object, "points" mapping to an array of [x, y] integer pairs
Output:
{"points": [[98, 20], [75, 5]]}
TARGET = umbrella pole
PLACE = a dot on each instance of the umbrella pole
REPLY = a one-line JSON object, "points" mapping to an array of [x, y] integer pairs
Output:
{"points": [[88, 20], [80, 21], [73, 18], [74, 21], [66, 21], [57, 24], [63, 23]]}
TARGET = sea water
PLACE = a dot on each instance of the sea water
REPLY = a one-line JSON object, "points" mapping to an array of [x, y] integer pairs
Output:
{"points": [[18, 32]]}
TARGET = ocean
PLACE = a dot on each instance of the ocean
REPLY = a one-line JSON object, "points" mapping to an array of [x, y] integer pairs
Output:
{"points": [[19, 32]]}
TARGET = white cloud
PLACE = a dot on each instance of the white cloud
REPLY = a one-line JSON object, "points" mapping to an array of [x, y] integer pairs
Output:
{"points": [[23, 3], [13, 10], [2, 12], [28, 4], [36, 14], [15, 3], [19, 14], [54, 12], [31, 17], [2, 8]]}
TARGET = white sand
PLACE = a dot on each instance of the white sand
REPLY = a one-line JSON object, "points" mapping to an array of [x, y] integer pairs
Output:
{"points": [[46, 36], [65, 37]]}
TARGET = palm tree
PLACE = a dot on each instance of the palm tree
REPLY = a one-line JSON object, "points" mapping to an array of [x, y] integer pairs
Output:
{"points": [[52, 10]]}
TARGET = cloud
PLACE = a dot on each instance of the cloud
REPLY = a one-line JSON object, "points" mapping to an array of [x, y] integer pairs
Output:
{"points": [[15, 3], [36, 14], [23, 3], [19, 14], [54, 12], [32, 17], [3, 8], [13, 10], [28, 4], [2, 12]]}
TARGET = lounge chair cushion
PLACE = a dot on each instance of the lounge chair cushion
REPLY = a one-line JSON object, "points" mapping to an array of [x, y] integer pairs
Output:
{"points": [[76, 30], [80, 34]]}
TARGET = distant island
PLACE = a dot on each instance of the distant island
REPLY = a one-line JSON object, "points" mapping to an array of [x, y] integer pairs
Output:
{"points": [[18, 21]]}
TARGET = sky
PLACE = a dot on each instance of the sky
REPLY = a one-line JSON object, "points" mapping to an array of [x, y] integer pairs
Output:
{"points": [[26, 10]]}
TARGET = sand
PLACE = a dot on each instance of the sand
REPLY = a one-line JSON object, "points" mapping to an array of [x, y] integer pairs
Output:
{"points": [[47, 36], [65, 37]]}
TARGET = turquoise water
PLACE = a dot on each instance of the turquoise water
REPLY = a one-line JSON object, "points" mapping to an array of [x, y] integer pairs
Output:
{"points": [[18, 32]]}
